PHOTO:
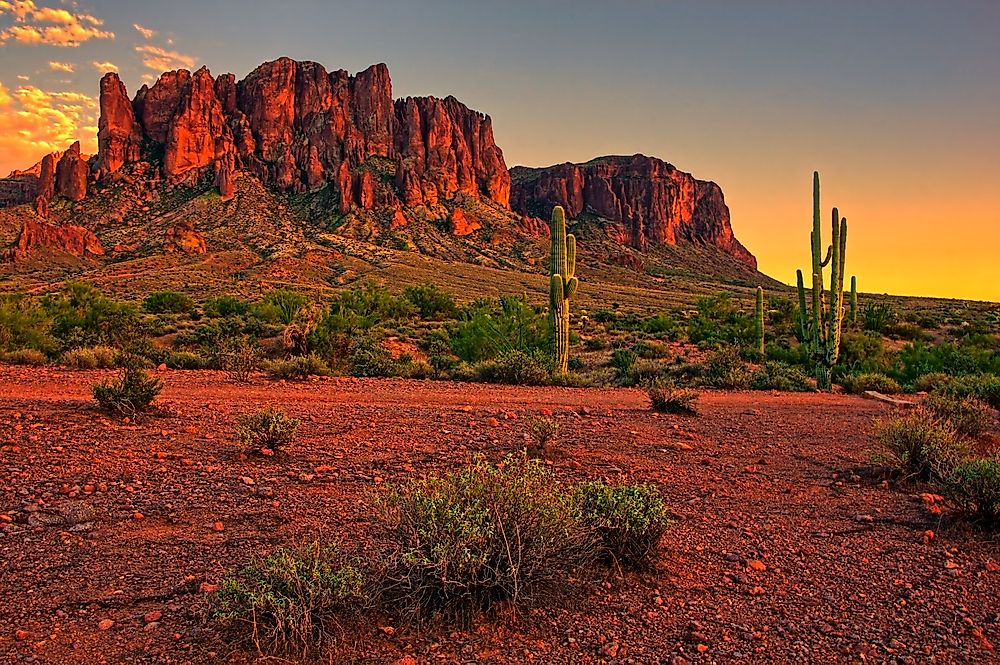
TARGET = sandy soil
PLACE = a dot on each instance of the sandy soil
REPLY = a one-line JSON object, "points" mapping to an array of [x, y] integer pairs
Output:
{"points": [[785, 548]]}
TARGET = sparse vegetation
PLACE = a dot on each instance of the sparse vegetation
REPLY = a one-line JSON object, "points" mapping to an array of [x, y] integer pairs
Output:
{"points": [[918, 443], [974, 485], [298, 368], [862, 382], [968, 415], [132, 392], [629, 520], [667, 398], [544, 434], [269, 429]]}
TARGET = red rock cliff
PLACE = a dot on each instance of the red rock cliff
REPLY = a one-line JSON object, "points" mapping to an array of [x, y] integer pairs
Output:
{"points": [[298, 127], [654, 202]]}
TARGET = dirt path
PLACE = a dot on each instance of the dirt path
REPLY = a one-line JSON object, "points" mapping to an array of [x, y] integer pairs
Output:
{"points": [[844, 571]]}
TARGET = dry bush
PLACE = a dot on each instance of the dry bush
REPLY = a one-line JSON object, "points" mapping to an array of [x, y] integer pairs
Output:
{"points": [[269, 428], [666, 398]]}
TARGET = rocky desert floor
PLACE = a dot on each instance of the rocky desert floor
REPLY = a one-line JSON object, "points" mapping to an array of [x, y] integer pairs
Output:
{"points": [[787, 548]]}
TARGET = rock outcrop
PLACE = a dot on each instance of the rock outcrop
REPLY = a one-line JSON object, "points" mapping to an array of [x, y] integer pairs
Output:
{"points": [[298, 128], [183, 238], [71, 174], [653, 202], [71, 239]]}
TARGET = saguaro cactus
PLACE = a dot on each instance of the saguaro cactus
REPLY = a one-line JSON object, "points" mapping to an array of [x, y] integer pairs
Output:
{"points": [[854, 300], [821, 329], [562, 286], [759, 321]]}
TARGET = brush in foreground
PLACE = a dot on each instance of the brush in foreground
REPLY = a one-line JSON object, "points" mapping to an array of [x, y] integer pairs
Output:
{"points": [[666, 398], [133, 391]]}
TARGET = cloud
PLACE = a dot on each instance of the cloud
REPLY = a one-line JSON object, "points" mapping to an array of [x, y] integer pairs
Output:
{"points": [[105, 66], [23, 77], [62, 67], [49, 25], [161, 60], [37, 122], [145, 32]]}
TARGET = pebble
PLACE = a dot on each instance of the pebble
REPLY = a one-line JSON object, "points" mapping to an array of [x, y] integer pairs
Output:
{"points": [[105, 624]]}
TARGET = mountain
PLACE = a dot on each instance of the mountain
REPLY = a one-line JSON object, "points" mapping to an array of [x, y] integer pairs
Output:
{"points": [[294, 160]]}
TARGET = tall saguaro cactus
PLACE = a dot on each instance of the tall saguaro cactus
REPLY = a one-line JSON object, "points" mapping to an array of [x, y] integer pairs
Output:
{"points": [[759, 322], [854, 300], [562, 286], [821, 329]]}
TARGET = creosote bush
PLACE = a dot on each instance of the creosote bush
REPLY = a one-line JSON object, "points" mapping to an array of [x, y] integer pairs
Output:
{"points": [[298, 368], [970, 416], [664, 397], [133, 391], [95, 357], [974, 485], [629, 519], [268, 428], [489, 533], [919, 443], [240, 360], [863, 382], [25, 357], [291, 601], [516, 368]]}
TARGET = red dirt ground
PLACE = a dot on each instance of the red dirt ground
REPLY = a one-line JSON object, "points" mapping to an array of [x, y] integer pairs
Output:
{"points": [[784, 549]]}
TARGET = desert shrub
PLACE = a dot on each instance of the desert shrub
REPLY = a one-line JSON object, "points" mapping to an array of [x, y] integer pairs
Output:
{"points": [[370, 358], [876, 317], [418, 369], [645, 371], [929, 382], [239, 359], [268, 428], [25, 324], [431, 301], [286, 303], [970, 416], [629, 520], [133, 391], [726, 369], [983, 386], [516, 368], [571, 380], [186, 360], [719, 322], [664, 397], [918, 443], [779, 376], [623, 360], [292, 600], [30, 357], [663, 326], [488, 328], [486, 534], [298, 368], [543, 433], [974, 485], [168, 302], [83, 316], [94, 357], [224, 306], [859, 383]]}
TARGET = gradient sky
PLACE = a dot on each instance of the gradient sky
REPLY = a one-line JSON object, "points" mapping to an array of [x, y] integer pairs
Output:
{"points": [[895, 102]]}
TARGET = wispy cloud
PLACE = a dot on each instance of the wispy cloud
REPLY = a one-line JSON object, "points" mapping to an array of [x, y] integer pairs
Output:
{"points": [[23, 77], [104, 66], [161, 60], [37, 122], [62, 67], [145, 32], [49, 25]]}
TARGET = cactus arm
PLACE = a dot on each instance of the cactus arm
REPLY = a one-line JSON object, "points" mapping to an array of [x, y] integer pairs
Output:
{"points": [[571, 286], [833, 322], [854, 298], [570, 257], [759, 320], [826, 261], [803, 313]]}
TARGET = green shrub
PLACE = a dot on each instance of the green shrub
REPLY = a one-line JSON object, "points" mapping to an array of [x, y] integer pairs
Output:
{"points": [[932, 381], [298, 368], [486, 534], [543, 433], [25, 357], [623, 360], [974, 485], [370, 358], [516, 368], [726, 369], [666, 398], [94, 357], [880, 383], [719, 322], [918, 443], [629, 520], [876, 317], [488, 328], [168, 302], [224, 306], [646, 371], [970, 416], [779, 376], [983, 386], [185, 360], [269, 428], [24, 324], [663, 326], [284, 303], [133, 391], [292, 600], [83, 316], [431, 301]]}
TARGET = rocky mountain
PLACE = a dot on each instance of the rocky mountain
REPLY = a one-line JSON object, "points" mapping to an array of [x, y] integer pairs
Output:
{"points": [[646, 201], [297, 155]]}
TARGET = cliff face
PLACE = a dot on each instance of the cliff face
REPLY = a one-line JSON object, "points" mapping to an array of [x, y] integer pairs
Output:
{"points": [[298, 127], [653, 202]]}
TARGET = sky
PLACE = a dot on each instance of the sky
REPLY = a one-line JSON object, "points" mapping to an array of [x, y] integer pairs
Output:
{"points": [[896, 102]]}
